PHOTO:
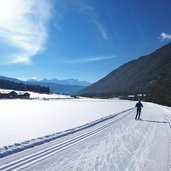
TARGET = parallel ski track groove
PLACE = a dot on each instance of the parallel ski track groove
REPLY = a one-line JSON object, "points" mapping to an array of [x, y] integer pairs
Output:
{"points": [[168, 118], [21, 162]]}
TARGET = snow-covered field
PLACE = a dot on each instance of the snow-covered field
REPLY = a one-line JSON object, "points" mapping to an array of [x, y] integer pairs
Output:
{"points": [[22, 120], [117, 142]]}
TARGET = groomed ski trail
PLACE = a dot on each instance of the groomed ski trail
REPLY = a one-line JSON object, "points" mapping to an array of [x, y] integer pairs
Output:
{"points": [[117, 144]]}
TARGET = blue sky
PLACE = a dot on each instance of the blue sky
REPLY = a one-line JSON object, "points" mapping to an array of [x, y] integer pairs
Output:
{"points": [[82, 39]]}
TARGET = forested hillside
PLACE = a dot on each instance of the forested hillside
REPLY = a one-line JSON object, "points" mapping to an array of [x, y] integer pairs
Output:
{"points": [[150, 75], [5, 84]]}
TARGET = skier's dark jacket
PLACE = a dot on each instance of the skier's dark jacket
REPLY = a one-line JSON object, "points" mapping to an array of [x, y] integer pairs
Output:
{"points": [[139, 105]]}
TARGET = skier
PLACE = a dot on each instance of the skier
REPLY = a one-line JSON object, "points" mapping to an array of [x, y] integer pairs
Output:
{"points": [[138, 106]]}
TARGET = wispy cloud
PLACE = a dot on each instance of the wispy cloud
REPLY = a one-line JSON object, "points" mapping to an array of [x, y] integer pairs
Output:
{"points": [[165, 36], [96, 21], [23, 26], [90, 59], [101, 30], [83, 7]]}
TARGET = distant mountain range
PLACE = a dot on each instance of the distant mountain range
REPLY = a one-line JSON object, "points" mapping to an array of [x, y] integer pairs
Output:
{"points": [[67, 86], [150, 75], [13, 84], [69, 81]]}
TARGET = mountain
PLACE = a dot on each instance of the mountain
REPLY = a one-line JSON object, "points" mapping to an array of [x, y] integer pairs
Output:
{"points": [[21, 86], [58, 88], [10, 79], [149, 75], [69, 81], [68, 86]]}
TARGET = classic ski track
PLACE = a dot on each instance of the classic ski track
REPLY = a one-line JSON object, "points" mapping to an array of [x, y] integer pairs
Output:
{"points": [[168, 118], [137, 163], [137, 160], [24, 162]]}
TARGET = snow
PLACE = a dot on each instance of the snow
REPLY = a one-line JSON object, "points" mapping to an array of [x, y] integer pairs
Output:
{"points": [[22, 120], [114, 142]]}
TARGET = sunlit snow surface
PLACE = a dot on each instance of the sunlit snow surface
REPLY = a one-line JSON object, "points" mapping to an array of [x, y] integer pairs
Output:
{"points": [[22, 120], [117, 142]]}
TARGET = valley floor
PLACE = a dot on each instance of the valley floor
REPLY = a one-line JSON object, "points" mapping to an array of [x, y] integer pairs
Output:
{"points": [[117, 144]]}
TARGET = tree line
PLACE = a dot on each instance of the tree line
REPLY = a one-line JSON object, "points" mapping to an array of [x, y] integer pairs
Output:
{"points": [[159, 92], [5, 84]]}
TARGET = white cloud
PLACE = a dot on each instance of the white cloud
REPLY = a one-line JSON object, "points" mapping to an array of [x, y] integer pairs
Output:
{"points": [[84, 7], [101, 30], [91, 59], [34, 78], [164, 36], [23, 26], [25, 79], [99, 26], [22, 78]]}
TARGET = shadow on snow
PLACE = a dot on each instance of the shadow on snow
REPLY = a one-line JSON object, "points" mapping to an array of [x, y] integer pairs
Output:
{"points": [[144, 120]]}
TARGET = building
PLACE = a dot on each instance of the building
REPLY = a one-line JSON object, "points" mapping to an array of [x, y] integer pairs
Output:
{"points": [[24, 96], [14, 95]]}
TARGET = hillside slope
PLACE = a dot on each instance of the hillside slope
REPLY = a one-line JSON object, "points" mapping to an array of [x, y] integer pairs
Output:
{"points": [[148, 74]]}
